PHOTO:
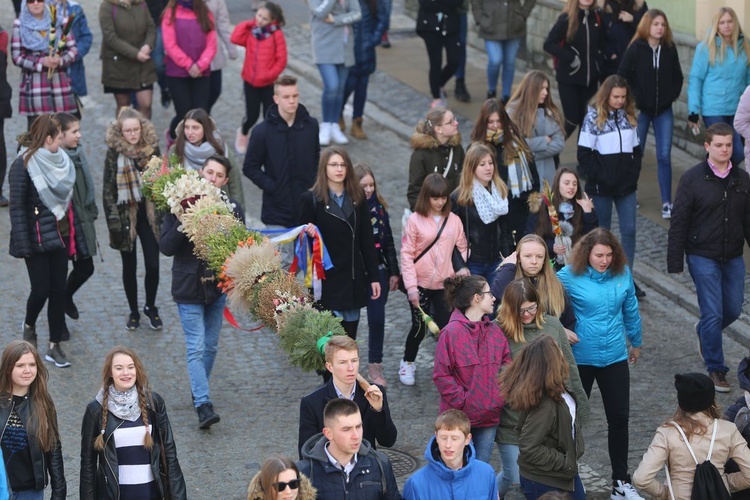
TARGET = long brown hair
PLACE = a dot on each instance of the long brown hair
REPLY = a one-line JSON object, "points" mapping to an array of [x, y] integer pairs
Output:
{"points": [[509, 316], [599, 236], [601, 100], [644, 28], [512, 138], [43, 420], [571, 10], [141, 384], [538, 370], [202, 14], [433, 186], [544, 226], [42, 127], [474, 156], [690, 423], [363, 170], [351, 184], [209, 132], [548, 286], [525, 102], [710, 39], [269, 474]]}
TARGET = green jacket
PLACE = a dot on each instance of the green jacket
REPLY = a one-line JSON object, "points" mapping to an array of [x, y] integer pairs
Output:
{"points": [[84, 199], [501, 20], [548, 454], [506, 432]]}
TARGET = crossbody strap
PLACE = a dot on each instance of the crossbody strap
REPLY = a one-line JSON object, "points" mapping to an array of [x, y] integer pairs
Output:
{"points": [[450, 162], [440, 231]]}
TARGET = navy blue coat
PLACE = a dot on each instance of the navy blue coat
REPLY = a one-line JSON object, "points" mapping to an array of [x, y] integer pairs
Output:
{"points": [[367, 35], [84, 38]]}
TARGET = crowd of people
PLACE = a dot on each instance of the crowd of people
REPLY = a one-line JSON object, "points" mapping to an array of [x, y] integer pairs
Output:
{"points": [[504, 251]]}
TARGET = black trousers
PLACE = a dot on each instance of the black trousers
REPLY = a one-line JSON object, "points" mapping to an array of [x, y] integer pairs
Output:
{"points": [[254, 98], [575, 101], [150, 248], [47, 273], [3, 155], [82, 271], [215, 89], [614, 385], [433, 303], [188, 93], [439, 74]]}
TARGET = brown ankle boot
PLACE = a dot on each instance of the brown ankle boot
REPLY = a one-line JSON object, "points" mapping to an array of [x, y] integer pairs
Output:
{"points": [[342, 123], [357, 131]]}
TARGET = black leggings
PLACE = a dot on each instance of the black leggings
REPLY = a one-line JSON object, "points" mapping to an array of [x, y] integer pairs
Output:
{"points": [[47, 273], [188, 93], [150, 248], [254, 97], [215, 89], [575, 101], [82, 271], [3, 155], [433, 303], [614, 385], [440, 75]]}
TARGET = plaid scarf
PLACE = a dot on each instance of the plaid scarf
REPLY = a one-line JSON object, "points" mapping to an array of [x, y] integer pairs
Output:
{"points": [[265, 31], [128, 181]]}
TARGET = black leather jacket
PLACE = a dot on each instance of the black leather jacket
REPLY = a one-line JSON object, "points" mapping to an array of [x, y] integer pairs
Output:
{"points": [[487, 242], [99, 474], [43, 463]]}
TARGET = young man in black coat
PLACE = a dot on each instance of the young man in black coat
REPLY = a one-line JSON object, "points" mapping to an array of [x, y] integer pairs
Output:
{"points": [[342, 360]]}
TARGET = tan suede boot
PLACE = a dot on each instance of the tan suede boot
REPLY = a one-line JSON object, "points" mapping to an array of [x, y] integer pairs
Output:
{"points": [[357, 131]]}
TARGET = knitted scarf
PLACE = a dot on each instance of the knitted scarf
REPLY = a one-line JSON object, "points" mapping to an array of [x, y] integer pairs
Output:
{"points": [[265, 31], [196, 156], [35, 32], [128, 181], [123, 405], [53, 175], [489, 204]]}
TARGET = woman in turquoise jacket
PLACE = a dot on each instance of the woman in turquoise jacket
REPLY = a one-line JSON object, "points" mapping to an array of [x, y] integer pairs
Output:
{"points": [[602, 294], [719, 75]]}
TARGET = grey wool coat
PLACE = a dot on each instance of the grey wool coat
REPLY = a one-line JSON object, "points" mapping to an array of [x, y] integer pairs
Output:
{"points": [[333, 43]]}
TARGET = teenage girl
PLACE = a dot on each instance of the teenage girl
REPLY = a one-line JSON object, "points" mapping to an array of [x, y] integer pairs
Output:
{"points": [[387, 270], [30, 442], [430, 235], [265, 59]]}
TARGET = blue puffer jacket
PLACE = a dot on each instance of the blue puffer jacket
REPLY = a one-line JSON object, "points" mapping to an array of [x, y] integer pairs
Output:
{"points": [[367, 35], [715, 90], [84, 38], [474, 481], [606, 314]]}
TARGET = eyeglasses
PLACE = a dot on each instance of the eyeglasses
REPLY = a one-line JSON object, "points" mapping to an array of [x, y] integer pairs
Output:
{"points": [[337, 165], [485, 293], [530, 310], [280, 486], [452, 121]]}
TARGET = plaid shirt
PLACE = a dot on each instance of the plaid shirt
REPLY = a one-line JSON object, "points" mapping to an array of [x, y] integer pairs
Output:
{"points": [[39, 94]]}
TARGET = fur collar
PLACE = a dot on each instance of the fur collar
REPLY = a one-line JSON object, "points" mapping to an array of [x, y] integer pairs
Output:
{"points": [[116, 141], [426, 141], [535, 202], [306, 489]]}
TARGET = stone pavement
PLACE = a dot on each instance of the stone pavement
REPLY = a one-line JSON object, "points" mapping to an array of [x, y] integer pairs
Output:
{"points": [[253, 389]]}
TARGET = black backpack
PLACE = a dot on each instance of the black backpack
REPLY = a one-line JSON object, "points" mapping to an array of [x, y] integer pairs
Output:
{"points": [[707, 483]]}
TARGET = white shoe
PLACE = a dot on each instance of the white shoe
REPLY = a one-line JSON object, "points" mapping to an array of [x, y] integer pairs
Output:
{"points": [[406, 373], [624, 491], [240, 141], [337, 135], [324, 136]]}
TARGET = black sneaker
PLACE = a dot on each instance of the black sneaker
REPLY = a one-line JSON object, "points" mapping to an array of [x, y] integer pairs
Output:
{"points": [[134, 321], [71, 310], [29, 334], [166, 98], [638, 291], [57, 356], [206, 416], [153, 316]]}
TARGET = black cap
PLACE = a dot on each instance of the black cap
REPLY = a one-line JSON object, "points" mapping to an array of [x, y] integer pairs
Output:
{"points": [[695, 391]]}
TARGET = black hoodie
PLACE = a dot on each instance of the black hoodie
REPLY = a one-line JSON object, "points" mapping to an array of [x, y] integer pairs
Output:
{"points": [[654, 76]]}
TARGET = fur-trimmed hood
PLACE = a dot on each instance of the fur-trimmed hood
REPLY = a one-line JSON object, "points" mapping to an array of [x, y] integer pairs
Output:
{"points": [[306, 489], [535, 202], [426, 141], [115, 140]]}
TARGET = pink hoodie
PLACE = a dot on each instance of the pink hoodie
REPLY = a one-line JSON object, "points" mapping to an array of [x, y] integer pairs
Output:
{"points": [[185, 44], [430, 271]]}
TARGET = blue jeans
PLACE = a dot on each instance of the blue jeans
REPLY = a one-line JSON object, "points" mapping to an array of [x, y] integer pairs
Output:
{"points": [[356, 83], [201, 324], [534, 490], [483, 439], [663, 125], [626, 212], [510, 474], [720, 288], [28, 495], [501, 53], [334, 79], [738, 153], [486, 270], [462, 34], [376, 320]]}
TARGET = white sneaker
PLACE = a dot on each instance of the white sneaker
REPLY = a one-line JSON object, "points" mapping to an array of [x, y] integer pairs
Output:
{"points": [[240, 141], [624, 491], [337, 135], [406, 373], [324, 136], [666, 211]]}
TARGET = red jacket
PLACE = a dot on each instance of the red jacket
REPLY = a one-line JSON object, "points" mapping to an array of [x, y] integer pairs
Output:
{"points": [[264, 59], [468, 357]]}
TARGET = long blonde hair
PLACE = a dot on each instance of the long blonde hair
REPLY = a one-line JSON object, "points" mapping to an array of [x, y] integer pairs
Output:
{"points": [[713, 33], [474, 156], [550, 290], [525, 102], [601, 100]]}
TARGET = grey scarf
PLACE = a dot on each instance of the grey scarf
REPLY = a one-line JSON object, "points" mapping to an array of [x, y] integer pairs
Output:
{"points": [[196, 156], [53, 175], [123, 405]]}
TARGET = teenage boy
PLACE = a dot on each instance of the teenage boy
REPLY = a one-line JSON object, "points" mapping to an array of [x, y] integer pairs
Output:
{"points": [[452, 470], [200, 303], [341, 464]]}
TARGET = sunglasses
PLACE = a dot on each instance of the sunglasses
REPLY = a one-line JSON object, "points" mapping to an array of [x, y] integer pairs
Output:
{"points": [[34, 1], [280, 486]]}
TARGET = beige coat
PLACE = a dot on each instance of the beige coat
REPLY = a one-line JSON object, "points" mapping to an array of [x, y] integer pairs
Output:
{"points": [[668, 447]]}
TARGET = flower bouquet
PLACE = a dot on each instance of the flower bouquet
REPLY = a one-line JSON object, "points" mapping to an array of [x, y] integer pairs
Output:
{"points": [[159, 172], [561, 237]]}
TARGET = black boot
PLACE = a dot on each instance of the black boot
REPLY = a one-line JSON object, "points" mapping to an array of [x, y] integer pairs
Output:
{"points": [[462, 94], [350, 327], [206, 416]]}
